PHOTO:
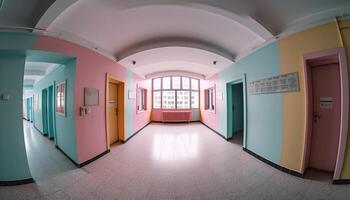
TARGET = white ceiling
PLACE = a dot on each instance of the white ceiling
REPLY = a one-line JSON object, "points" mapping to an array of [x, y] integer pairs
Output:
{"points": [[175, 58], [34, 71], [145, 30]]}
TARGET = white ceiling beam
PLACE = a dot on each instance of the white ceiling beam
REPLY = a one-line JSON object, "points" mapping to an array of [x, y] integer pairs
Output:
{"points": [[53, 12]]}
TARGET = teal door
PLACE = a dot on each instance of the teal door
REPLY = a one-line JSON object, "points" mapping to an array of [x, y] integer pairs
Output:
{"points": [[50, 112], [44, 111], [237, 108], [29, 109]]}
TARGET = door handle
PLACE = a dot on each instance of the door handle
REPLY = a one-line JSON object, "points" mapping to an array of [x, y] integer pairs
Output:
{"points": [[316, 116]]}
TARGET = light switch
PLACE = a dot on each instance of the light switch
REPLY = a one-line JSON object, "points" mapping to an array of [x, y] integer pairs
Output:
{"points": [[4, 97]]}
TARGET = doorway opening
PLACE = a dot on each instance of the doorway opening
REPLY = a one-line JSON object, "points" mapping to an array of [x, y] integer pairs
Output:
{"points": [[43, 71], [326, 84], [114, 110], [236, 111]]}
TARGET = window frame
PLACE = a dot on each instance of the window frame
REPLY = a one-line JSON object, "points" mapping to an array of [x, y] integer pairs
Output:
{"points": [[143, 99], [210, 99], [176, 91], [60, 108]]}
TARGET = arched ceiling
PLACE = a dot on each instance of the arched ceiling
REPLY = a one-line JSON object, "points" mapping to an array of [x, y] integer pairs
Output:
{"points": [[160, 34]]}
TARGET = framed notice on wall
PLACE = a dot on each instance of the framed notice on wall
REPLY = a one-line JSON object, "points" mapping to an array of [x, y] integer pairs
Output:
{"points": [[61, 98], [91, 97], [276, 84]]}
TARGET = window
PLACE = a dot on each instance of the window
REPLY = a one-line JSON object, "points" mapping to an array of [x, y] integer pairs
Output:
{"points": [[157, 100], [195, 99], [168, 100], [176, 82], [194, 84], [157, 84], [185, 83], [209, 99], [166, 83], [61, 98], [141, 99], [183, 100], [175, 92]]}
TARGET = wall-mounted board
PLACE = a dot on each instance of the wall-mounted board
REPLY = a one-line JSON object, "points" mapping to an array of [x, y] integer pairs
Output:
{"points": [[276, 84], [91, 97]]}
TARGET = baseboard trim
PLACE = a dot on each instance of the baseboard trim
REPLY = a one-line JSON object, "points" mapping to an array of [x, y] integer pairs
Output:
{"points": [[17, 182], [183, 122], [136, 132], [42, 133], [341, 182], [286, 170], [217, 133], [94, 158], [76, 164]]}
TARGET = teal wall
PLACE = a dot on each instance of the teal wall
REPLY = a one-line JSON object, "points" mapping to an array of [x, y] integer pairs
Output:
{"points": [[65, 130], [13, 157], [264, 112], [129, 118]]}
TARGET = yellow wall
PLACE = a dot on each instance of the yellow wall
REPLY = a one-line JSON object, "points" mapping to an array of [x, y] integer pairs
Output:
{"points": [[345, 32], [292, 49]]}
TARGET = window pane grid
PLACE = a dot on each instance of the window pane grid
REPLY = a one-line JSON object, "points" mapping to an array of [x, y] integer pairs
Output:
{"points": [[175, 92]]}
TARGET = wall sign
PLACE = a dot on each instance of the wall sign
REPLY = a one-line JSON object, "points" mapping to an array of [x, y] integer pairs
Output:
{"points": [[91, 97], [276, 84], [326, 102]]}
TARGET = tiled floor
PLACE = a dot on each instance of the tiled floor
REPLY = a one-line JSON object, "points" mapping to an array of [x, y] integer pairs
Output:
{"points": [[176, 162], [45, 160]]}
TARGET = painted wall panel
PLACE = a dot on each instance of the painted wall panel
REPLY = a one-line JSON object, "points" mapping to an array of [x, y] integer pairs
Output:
{"points": [[264, 134], [91, 72], [10, 40], [292, 49], [13, 157]]}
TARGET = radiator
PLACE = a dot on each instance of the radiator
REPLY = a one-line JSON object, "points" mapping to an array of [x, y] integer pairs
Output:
{"points": [[176, 116]]}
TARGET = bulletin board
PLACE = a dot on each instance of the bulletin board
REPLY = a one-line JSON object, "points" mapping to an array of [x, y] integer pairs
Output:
{"points": [[276, 84]]}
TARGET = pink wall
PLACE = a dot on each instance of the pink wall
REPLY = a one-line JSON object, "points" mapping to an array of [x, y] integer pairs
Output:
{"points": [[211, 119], [91, 72], [141, 117]]}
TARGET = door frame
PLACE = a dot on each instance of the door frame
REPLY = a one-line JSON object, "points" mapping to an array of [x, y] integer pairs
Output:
{"points": [[238, 79], [121, 107], [52, 109], [44, 111], [343, 69]]}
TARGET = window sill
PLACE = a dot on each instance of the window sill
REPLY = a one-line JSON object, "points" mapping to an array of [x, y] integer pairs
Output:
{"points": [[211, 111]]}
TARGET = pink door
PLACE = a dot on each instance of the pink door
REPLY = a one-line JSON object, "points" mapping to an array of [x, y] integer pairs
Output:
{"points": [[326, 117]]}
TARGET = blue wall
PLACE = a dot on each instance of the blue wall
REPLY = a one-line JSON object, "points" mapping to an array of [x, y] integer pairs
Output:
{"points": [[264, 112], [65, 125], [13, 157]]}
